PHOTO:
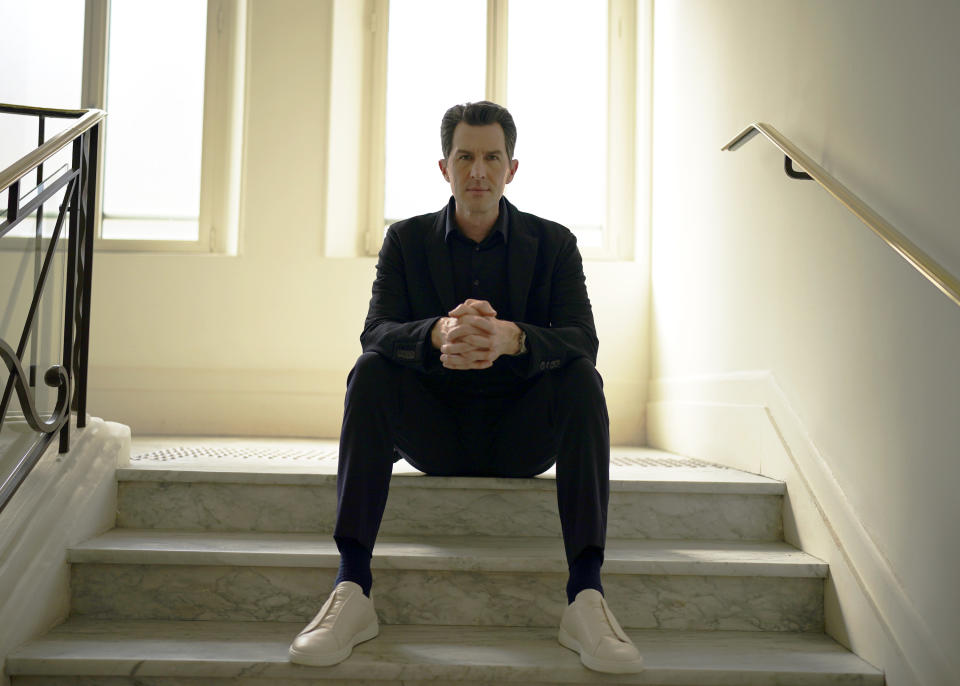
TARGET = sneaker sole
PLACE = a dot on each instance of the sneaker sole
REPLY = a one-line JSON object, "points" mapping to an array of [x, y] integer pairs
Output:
{"points": [[596, 664], [327, 659]]}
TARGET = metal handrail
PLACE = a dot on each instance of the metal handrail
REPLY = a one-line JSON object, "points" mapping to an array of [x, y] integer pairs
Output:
{"points": [[87, 119], [78, 209], [948, 284]]}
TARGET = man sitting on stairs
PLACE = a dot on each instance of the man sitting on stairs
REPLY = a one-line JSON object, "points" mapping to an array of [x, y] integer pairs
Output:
{"points": [[504, 385]]}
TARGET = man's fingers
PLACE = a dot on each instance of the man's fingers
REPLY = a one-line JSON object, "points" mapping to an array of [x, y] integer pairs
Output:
{"points": [[462, 362], [470, 342], [468, 359], [481, 324], [469, 326], [466, 345], [477, 342], [475, 307], [483, 307], [466, 355]]}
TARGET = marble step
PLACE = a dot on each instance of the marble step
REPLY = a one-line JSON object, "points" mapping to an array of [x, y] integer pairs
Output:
{"points": [[114, 653], [721, 504], [511, 581]]}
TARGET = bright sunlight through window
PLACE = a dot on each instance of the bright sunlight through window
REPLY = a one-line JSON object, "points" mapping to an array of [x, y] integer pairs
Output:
{"points": [[556, 91], [155, 127], [44, 75], [436, 57], [557, 94]]}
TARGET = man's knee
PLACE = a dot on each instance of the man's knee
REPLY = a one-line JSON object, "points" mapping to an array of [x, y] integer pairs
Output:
{"points": [[581, 377], [372, 372], [579, 390]]}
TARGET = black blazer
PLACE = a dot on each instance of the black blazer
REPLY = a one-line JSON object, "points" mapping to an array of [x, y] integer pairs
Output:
{"points": [[414, 288]]}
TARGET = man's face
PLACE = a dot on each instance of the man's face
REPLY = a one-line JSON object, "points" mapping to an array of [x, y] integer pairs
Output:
{"points": [[478, 168]]}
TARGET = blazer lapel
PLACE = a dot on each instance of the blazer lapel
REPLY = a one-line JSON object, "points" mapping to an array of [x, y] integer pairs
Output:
{"points": [[438, 259], [521, 259]]}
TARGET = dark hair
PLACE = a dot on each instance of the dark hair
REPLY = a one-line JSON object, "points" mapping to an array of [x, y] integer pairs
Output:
{"points": [[477, 114]]}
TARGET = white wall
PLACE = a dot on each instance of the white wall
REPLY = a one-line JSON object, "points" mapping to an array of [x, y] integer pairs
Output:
{"points": [[752, 271], [261, 343]]}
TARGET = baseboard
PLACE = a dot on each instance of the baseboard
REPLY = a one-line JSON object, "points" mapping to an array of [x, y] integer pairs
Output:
{"points": [[269, 402], [234, 402], [744, 420]]}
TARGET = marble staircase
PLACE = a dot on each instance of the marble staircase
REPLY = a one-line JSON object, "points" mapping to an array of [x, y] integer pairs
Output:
{"points": [[214, 566]]}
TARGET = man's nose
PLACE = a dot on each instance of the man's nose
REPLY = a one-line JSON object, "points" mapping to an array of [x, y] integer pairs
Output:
{"points": [[478, 169]]}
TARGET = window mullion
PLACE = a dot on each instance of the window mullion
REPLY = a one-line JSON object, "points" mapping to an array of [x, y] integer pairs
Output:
{"points": [[94, 89], [496, 88], [375, 113], [621, 129], [223, 99], [211, 158]]}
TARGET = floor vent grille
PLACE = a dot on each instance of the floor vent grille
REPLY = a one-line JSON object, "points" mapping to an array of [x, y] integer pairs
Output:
{"points": [[688, 462], [304, 455], [204, 453]]}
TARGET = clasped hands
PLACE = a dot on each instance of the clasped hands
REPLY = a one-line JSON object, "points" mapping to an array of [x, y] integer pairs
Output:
{"points": [[472, 337]]}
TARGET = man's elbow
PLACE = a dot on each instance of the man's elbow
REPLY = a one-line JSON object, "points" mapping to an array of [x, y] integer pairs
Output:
{"points": [[368, 335]]}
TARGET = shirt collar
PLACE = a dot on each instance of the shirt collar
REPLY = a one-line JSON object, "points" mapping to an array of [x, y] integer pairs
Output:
{"points": [[502, 224]]}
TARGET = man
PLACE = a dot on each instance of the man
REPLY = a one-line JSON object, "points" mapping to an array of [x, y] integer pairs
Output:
{"points": [[503, 385]]}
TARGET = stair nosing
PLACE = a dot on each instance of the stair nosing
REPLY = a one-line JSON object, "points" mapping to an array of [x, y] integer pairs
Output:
{"points": [[519, 655], [755, 485], [446, 553]]}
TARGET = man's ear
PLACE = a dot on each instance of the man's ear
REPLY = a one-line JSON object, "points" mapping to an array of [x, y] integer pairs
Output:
{"points": [[514, 164], [443, 169]]}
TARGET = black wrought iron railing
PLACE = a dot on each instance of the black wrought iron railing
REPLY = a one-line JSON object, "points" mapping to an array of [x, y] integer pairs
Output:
{"points": [[60, 280]]}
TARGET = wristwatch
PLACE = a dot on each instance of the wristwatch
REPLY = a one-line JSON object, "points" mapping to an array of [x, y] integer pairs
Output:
{"points": [[523, 343]]}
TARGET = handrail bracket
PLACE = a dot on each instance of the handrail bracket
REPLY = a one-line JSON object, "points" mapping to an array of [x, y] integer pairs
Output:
{"points": [[794, 173]]}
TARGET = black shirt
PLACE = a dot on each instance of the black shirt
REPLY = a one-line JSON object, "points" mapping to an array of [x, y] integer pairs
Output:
{"points": [[480, 272], [480, 269]]}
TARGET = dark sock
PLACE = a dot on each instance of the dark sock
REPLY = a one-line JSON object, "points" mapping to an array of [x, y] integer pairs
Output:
{"points": [[354, 564], [585, 572]]}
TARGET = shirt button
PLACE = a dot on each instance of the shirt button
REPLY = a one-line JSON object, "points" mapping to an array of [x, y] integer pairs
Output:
{"points": [[476, 282], [477, 248]]}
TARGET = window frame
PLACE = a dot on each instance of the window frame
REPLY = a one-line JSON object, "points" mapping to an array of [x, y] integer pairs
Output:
{"points": [[622, 101], [223, 123]]}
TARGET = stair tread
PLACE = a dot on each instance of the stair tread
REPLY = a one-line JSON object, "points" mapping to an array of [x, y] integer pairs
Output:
{"points": [[459, 553], [519, 655], [306, 461]]}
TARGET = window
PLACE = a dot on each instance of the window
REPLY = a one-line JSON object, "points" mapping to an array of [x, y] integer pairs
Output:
{"points": [[412, 181], [170, 76], [564, 68], [151, 168], [48, 76], [556, 69]]}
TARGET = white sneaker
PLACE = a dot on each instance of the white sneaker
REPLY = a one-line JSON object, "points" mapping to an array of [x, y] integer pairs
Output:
{"points": [[346, 619], [589, 628]]}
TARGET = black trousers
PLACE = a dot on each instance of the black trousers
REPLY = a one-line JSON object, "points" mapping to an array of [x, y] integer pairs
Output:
{"points": [[557, 417]]}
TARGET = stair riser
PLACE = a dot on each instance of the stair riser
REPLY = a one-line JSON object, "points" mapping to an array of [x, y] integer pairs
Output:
{"points": [[291, 594], [443, 511]]}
